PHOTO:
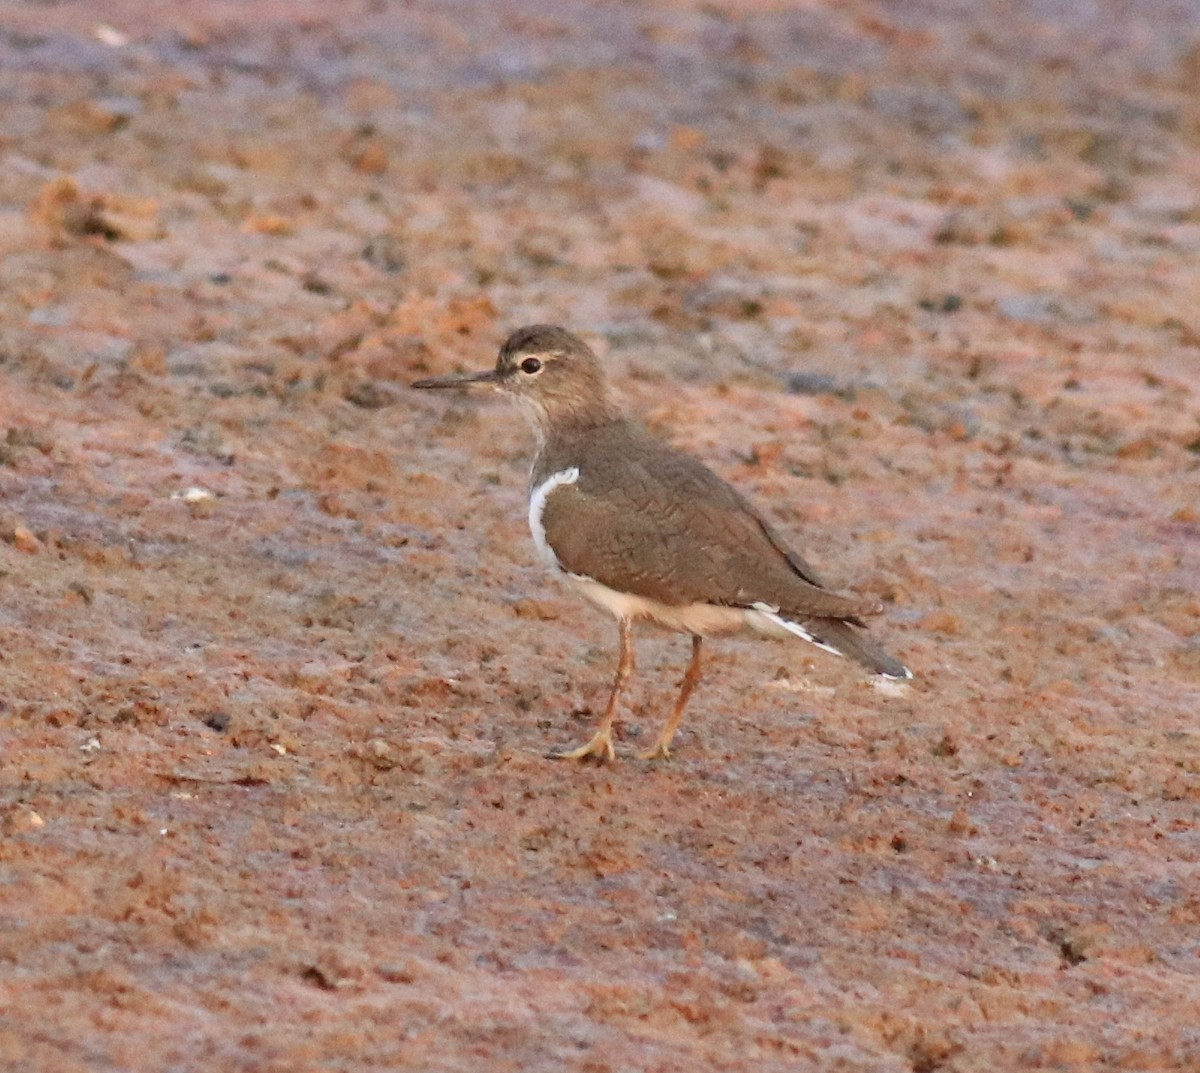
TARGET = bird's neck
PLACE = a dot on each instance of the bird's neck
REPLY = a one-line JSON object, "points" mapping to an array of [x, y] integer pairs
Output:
{"points": [[565, 420], [561, 444]]}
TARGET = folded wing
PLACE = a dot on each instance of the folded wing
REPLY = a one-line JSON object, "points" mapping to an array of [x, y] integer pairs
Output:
{"points": [[657, 523]]}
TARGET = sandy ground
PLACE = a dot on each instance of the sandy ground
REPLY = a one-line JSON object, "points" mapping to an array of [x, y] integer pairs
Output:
{"points": [[921, 278]]}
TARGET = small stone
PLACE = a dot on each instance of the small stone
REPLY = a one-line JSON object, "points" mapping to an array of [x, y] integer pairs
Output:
{"points": [[24, 540], [535, 609], [804, 383], [385, 252], [378, 753], [110, 36], [959, 823], [943, 622], [218, 721], [369, 395], [370, 158], [22, 820], [268, 224], [193, 495]]}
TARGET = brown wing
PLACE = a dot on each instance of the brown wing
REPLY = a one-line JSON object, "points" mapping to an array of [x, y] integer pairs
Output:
{"points": [[657, 523], [800, 565]]}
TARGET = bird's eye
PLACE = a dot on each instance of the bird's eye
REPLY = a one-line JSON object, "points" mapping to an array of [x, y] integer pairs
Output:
{"points": [[531, 366]]}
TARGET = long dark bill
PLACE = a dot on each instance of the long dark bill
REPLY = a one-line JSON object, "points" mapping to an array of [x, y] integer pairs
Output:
{"points": [[459, 380]]}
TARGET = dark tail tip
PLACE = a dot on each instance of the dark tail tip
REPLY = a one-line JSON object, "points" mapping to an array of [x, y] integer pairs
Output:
{"points": [[846, 639]]}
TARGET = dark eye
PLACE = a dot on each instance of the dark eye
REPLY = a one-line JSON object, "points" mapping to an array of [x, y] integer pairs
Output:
{"points": [[531, 366]]}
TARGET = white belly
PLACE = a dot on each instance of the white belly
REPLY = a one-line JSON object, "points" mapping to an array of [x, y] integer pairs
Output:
{"points": [[704, 619]]}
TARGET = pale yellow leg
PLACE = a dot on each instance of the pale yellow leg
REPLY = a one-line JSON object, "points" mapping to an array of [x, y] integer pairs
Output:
{"points": [[601, 743], [661, 747]]}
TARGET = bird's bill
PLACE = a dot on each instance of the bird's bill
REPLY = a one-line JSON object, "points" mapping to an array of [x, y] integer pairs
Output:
{"points": [[459, 380]]}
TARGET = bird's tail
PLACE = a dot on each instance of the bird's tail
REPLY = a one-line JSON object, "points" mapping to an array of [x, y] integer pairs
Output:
{"points": [[840, 636], [846, 640]]}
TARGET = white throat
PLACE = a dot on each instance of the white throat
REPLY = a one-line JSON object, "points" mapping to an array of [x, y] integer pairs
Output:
{"points": [[535, 414]]}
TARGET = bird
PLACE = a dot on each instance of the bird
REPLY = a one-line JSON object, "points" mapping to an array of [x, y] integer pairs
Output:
{"points": [[648, 533]]}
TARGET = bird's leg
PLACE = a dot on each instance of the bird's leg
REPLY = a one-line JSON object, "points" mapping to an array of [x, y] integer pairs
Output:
{"points": [[601, 743], [690, 680]]}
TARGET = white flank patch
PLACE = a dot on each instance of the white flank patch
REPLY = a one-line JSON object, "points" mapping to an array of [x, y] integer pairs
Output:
{"points": [[772, 615], [889, 685], [537, 507]]}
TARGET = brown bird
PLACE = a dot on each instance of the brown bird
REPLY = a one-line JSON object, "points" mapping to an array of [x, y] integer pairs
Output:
{"points": [[650, 533]]}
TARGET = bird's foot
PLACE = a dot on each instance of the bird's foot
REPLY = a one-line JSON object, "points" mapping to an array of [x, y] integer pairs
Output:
{"points": [[658, 751], [600, 746]]}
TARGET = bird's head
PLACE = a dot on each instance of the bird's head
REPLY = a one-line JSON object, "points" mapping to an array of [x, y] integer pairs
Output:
{"points": [[554, 375]]}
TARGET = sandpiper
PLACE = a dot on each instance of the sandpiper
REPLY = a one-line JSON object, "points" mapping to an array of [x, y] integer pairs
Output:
{"points": [[649, 533]]}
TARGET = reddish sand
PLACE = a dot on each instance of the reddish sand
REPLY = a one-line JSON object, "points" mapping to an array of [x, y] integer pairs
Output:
{"points": [[921, 279]]}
